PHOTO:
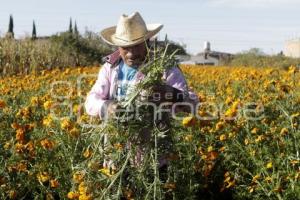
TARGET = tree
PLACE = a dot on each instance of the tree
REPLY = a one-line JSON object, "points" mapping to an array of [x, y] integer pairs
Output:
{"points": [[10, 32], [166, 39], [75, 29], [174, 46], [254, 51], [70, 26], [33, 31]]}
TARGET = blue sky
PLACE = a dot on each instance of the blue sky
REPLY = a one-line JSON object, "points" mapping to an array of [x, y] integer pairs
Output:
{"points": [[230, 25]]}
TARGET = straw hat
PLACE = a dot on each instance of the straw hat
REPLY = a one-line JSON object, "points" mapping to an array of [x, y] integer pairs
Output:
{"points": [[130, 30]]}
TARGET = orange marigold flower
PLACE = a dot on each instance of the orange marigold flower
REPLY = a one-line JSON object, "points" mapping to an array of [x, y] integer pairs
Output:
{"points": [[2, 104], [20, 135], [54, 183], [74, 132], [47, 144], [170, 186]]}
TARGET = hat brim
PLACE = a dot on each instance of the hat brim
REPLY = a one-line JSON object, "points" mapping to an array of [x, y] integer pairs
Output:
{"points": [[108, 35]]}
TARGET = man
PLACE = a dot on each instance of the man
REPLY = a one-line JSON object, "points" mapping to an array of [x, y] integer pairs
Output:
{"points": [[122, 67]]}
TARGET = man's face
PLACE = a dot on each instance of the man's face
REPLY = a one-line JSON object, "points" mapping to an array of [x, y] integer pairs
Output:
{"points": [[134, 55]]}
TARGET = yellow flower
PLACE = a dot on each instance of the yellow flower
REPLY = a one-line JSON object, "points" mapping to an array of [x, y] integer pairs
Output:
{"points": [[76, 109], [22, 167], [47, 121], [66, 124], [188, 138], [268, 179], [12, 194], [19, 147], [48, 105], [82, 188], [220, 125], [269, 165], [284, 131], [188, 121], [87, 153], [210, 149], [222, 137], [74, 132], [255, 178], [252, 153], [118, 146], [106, 172], [259, 138], [43, 177], [73, 195], [7, 145], [85, 197], [251, 189], [254, 130], [246, 141], [34, 101], [292, 69], [78, 177], [230, 184], [231, 112]]}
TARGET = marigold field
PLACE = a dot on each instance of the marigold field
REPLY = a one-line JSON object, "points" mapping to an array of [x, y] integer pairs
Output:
{"points": [[243, 143]]}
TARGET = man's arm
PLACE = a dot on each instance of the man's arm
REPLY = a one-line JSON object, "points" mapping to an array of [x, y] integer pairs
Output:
{"points": [[97, 100], [175, 78]]}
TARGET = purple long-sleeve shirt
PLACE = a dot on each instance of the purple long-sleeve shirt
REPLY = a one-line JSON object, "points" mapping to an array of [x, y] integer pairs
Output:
{"points": [[103, 91]]}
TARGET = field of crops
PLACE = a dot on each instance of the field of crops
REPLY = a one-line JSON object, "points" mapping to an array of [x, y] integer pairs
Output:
{"points": [[243, 143]]}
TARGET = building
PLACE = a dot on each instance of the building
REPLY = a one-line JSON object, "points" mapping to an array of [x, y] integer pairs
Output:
{"points": [[207, 57], [292, 48]]}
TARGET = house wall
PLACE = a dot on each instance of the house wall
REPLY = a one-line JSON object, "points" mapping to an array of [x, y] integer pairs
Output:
{"points": [[292, 48]]}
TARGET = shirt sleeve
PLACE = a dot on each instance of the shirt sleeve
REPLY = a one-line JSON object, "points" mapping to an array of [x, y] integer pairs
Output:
{"points": [[175, 78], [97, 100]]}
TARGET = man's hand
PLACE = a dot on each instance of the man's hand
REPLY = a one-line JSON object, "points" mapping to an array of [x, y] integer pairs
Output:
{"points": [[112, 108], [165, 93]]}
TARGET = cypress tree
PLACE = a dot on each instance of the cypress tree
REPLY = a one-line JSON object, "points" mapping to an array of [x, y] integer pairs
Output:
{"points": [[75, 29], [70, 26], [10, 32], [33, 31]]}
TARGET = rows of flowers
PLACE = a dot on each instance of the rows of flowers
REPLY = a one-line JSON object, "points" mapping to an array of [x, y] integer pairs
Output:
{"points": [[242, 144]]}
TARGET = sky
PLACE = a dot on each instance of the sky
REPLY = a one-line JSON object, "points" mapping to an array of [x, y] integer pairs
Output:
{"points": [[229, 25]]}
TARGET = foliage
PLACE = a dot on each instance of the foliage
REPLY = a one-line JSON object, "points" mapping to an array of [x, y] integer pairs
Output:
{"points": [[51, 148], [256, 58], [58, 51]]}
